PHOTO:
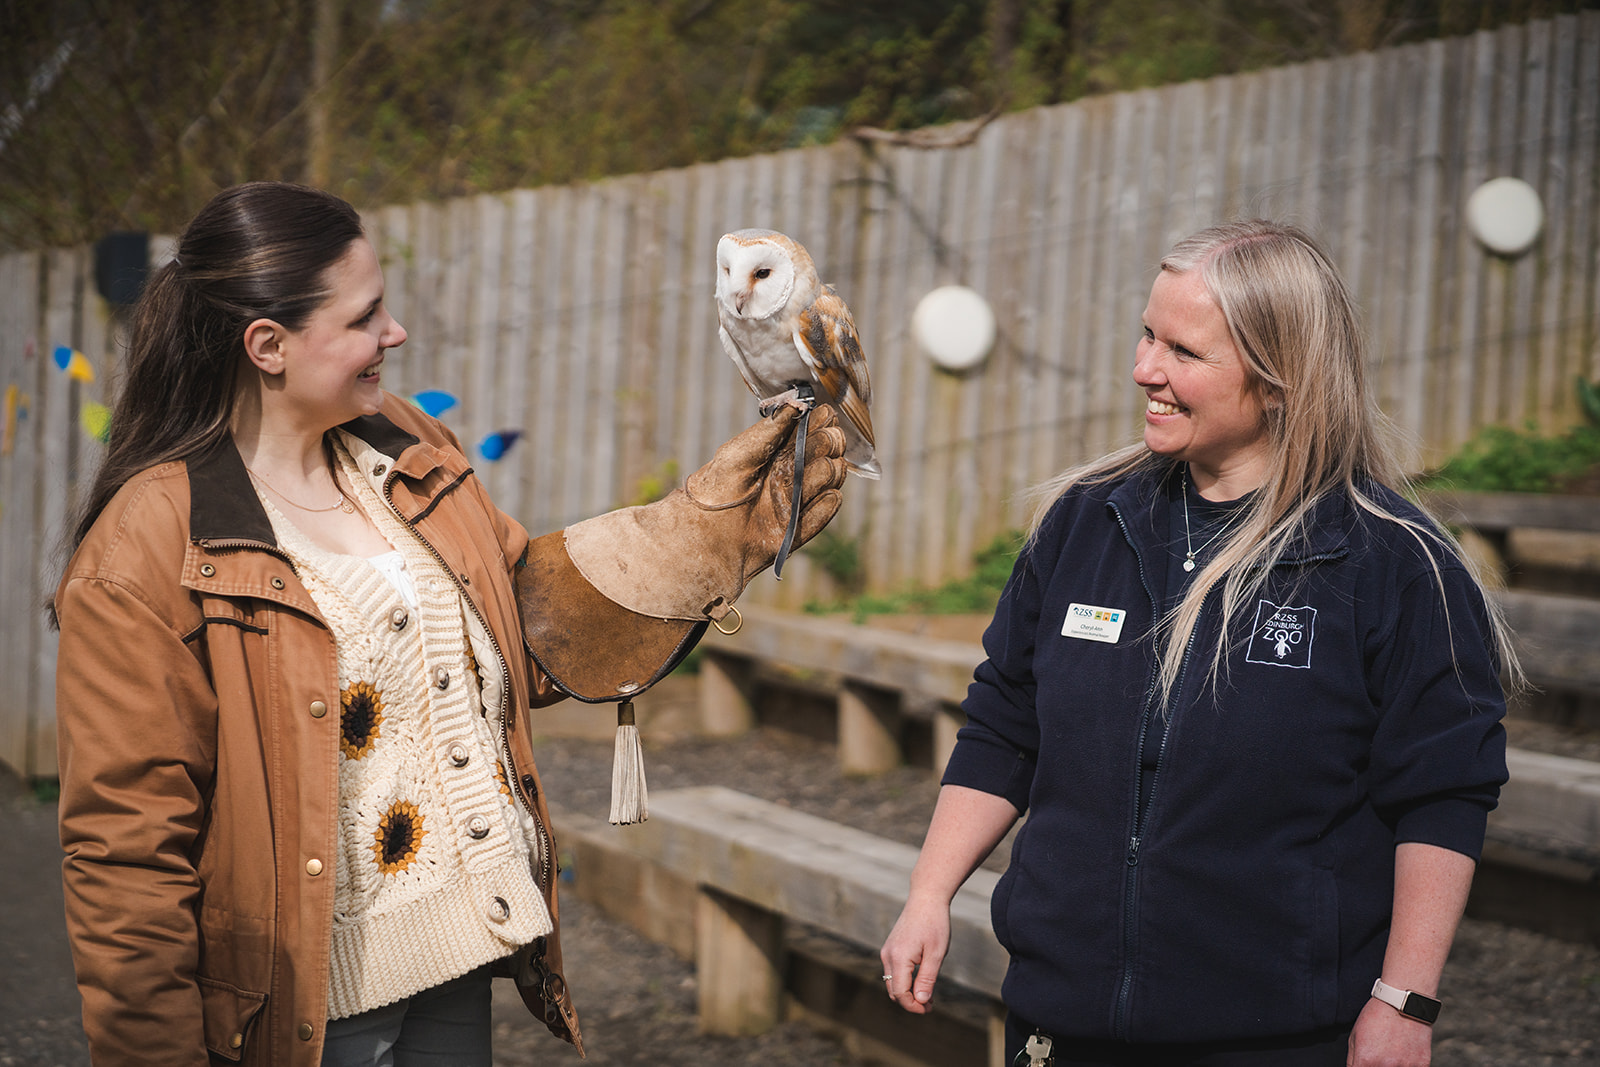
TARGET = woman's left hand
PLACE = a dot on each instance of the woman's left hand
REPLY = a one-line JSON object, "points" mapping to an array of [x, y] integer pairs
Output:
{"points": [[1385, 1038]]}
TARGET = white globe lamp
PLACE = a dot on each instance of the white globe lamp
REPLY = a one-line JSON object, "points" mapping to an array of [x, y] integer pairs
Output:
{"points": [[1506, 215], [955, 326]]}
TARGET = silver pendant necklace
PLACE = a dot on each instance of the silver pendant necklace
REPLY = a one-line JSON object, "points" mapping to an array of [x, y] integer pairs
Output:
{"points": [[1188, 541]]}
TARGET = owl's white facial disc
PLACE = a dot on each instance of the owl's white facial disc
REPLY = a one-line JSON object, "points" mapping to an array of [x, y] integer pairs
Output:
{"points": [[754, 279]]}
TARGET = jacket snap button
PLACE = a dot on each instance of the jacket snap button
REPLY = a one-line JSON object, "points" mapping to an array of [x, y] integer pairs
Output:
{"points": [[277, 583], [458, 754], [499, 911], [313, 867], [478, 827], [207, 570], [377, 471], [318, 709], [441, 678], [398, 618], [306, 1033], [236, 1041]]}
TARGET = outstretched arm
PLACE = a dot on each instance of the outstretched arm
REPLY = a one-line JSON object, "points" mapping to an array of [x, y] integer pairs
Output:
{"points": [[966, 826]]}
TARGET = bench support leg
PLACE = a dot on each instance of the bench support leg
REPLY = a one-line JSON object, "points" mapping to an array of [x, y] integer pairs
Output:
{"points": [[739, 964], [725, 695], [997, 1034], [869, 728]]}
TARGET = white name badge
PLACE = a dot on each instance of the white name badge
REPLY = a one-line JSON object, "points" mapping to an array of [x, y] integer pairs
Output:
{"points": [[1093, 624]]}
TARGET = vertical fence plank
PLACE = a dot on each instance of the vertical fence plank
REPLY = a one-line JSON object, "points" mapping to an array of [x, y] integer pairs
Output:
{"points": [[22, 358], [517, 353], [1553, 390], [56, 411], [1581, 274], [1523, 347]]}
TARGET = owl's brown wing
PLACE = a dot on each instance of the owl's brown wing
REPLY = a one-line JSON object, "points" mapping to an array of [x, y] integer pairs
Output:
{"points": [[827, 339]]}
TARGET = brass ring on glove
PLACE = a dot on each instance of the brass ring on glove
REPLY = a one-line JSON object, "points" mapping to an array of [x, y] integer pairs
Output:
{"points": [[738, 622]]}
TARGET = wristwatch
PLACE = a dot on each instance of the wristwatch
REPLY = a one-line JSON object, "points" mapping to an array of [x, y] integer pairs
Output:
{"points": [[1411, 1004]]}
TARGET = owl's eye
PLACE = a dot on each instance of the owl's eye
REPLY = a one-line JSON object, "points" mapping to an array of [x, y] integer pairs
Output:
{"points": [[764, 272]]}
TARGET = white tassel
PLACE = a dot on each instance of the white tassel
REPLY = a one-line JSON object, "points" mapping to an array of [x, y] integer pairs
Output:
{"points": [[630, 800]]}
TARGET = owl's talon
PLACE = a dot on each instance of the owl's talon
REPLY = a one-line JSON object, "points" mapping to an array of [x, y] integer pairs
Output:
{"points": [[792, 399]]}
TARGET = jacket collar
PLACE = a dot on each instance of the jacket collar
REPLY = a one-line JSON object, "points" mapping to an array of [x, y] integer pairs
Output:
{"points": [[223, 505], [1141, 503]]}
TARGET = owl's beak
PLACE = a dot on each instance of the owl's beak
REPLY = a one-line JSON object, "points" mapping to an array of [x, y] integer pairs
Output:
{"points": [[739, 300]]}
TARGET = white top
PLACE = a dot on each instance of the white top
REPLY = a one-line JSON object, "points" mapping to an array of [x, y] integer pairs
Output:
{"points": [[392, 566]]}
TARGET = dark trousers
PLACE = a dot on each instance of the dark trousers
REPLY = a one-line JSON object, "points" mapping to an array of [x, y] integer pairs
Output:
{"points": [[1321, 1048]]}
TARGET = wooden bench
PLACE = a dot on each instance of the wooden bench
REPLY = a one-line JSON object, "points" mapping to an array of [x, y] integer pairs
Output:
{"points": [[1558, 636], [882, 675], [756, 868]]}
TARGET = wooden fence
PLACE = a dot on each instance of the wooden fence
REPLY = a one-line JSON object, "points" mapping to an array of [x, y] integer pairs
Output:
{"points": [[582, 316]]}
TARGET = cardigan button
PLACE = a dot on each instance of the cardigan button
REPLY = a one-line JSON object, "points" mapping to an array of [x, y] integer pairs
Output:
{"points": [[377, 471], [441, 678], [318, 709], [459, 755], [498, 910], [478, 828], [313, 867], [398, 618], [207, 570], [306, 1032]]}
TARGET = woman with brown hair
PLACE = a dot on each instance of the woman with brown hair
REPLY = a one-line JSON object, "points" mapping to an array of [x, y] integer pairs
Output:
{"points": [[1248, 696], [299, 645]]}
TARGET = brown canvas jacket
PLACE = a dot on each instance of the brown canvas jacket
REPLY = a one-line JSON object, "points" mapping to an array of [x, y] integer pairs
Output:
{"points": [[198, 709]]}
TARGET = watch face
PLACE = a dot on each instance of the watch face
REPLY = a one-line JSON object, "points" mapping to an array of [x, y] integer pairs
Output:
{"points": [[1420, 1007]]}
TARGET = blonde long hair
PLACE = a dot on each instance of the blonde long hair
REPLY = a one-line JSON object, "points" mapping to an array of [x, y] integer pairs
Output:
{"points": [[1297, 329]]}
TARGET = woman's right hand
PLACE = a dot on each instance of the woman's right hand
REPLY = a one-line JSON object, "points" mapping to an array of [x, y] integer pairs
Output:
{"points": [[914, 952]]}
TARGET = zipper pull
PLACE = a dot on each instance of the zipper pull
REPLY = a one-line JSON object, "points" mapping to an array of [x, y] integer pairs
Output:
{"points": [[1133, 851]]}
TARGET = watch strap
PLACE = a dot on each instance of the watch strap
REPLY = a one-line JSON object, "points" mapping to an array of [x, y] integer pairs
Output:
{"points": [[1413, 1005]]}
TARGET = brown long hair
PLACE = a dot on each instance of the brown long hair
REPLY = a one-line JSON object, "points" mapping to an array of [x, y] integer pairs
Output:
{"points": [[259, 250], [1296, 327]]}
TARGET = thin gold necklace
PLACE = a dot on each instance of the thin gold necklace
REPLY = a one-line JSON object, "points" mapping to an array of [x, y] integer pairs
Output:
{"points": [[342, 504]]}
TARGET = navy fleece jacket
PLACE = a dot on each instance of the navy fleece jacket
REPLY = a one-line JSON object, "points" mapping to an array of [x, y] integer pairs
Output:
{"points": [[1357, 708]]}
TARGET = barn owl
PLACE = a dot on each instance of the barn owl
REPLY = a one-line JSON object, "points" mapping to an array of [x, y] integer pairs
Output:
{"points": [[781, 326]]}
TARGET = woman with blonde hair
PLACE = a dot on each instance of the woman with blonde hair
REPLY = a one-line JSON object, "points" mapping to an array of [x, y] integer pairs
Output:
{"points": [[1248, 696]]}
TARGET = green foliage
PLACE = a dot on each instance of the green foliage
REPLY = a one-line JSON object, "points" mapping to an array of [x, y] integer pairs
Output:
{"points": [[839, 556], [978, 593], [46, 790], [130, 116], [1500, 459]]}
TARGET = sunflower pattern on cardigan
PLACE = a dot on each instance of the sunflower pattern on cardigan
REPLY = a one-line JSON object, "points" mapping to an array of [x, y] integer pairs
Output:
{"points": [[434, 866], [400, 834], [360, 716]]}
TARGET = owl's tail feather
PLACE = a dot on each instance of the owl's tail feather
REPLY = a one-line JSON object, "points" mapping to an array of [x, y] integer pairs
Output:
{"points": [[870, 469]]}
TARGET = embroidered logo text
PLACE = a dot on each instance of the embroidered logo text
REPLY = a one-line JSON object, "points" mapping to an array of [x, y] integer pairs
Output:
{"points": [[1283, 635]]}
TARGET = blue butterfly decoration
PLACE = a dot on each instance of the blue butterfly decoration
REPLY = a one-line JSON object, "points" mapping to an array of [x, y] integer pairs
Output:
{"points": [[498, 444], [435, 401]]}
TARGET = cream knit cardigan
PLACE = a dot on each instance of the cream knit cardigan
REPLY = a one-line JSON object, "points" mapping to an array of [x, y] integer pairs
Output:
{"points": [[433, 876]]}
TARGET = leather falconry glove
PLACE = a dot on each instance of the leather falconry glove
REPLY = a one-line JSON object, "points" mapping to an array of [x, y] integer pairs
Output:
{"points": [[611, 604]]}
